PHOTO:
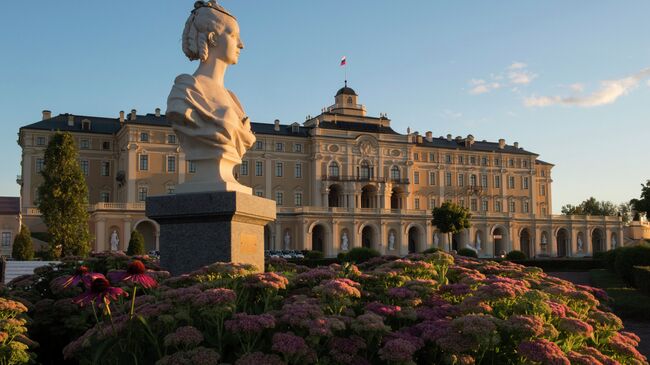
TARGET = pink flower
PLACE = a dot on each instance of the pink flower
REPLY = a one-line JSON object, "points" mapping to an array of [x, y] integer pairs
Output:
{"points": [[100, 293], [397, 350], [292, 347], [339, 288], [81, 275], [385, 310], [197, 356], [345, 350], [575, 327], [525, 326], [606, 360], [250, 324], [215, 297], [369, 322], [580, 359], [543, 351], [259, 358], [625, 345], [187, 336], [135, 273], [267, 280], [299, 310]]}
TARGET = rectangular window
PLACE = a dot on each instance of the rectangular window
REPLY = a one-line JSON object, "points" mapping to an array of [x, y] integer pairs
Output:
{"points": [[144, 137], [416, 177], [259, 168], [105, 169], [171, 189], [84, 144], [432, 157], [84, 167], [543, 173], [259, 193], [543, 211], [432, 178], [472, 160], [525, 182], [297, 199], [297, 147], [432, 203], [542, 189], [279, 146], [104, 197], [525, 162], [526, 207], [484, 183], [461, 202], [243, 169], [144, 162], [417, 203], [171, 138], [461, 160], [484, 205], [40, 141], [497, 162], [278, 198], [416, 156], [259, 145], [106, 145], [474, 205], [511, 163], [448, 179], [484, 161], [298, 170], [39, 164], [6, 239], [461, 180], [512, 206], [278, 169], [171, 163], [142, 193], [497, 206], [448, 158], [191, 167], [497, 181], [511, 182]]}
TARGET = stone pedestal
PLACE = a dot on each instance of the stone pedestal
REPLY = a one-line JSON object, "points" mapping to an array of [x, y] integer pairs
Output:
{"points": [[198, 229]]}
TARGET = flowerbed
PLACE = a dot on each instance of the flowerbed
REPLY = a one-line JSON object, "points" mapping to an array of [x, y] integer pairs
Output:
{"points": [[423, 309]]}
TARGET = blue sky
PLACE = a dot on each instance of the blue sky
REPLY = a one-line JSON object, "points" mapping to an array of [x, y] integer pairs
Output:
{"points": [[567, 80]]}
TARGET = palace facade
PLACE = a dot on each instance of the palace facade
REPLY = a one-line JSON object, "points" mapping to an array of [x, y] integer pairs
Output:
{"points": [[342, 178]]}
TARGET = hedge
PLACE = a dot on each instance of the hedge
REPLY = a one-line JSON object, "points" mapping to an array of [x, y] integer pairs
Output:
{"points": [[641, 276], [467, 252], [628, 257], [550, 265]]}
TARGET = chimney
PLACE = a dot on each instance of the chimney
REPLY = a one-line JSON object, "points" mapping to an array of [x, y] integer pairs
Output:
{"points": [[132, 115], [429, 136], [516, 144], [502, 143], [47, 114], [449, 137], [70, 120], [121, 116], [276, 127], [419, 139], [158, 112]]}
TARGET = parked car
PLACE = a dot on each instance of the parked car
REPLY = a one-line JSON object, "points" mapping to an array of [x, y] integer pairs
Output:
{"points": [[286, 254], [298, 255]]}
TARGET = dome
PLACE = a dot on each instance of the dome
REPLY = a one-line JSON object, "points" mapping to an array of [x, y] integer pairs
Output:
{"points": [[346, 91]]}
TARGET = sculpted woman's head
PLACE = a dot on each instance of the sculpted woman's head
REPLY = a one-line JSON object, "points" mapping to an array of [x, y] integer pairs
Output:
{"points": [[211, 29]]}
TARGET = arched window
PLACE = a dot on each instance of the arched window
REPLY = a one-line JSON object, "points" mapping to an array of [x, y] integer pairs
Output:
{"points": [[394, 173], [334, 169], [472, 180], [349, 100]]}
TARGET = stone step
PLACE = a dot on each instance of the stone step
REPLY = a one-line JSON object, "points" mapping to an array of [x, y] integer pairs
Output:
{"points": [[14, 269]]}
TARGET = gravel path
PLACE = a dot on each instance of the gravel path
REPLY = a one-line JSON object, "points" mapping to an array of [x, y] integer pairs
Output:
{"points": [[641, 328]]}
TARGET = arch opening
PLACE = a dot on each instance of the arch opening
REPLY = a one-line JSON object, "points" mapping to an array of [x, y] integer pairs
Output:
{"points": [[562, 240]]}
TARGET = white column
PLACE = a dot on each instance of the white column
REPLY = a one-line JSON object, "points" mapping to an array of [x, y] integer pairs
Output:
{"points": [[100, 235]]}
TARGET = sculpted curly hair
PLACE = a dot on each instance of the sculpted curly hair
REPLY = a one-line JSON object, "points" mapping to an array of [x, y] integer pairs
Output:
{"points": [[206, 21]]}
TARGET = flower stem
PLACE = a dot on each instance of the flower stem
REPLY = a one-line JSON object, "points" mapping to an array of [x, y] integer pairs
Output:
{"points": [[133, 302]]}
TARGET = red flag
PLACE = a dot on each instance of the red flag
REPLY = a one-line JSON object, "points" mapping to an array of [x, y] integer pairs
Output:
{"points": [[343, 61]]}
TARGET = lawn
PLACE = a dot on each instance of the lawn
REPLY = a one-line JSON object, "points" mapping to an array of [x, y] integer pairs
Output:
{"points": [[627, 302]]}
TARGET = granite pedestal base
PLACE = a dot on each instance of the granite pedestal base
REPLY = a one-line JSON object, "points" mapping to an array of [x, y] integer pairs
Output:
{"points": [[198, 229]]}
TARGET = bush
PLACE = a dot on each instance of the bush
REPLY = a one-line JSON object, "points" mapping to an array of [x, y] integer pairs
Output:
{"points": [[467, 252], [641, 275], [515, 255], [609, 259], [628, 257], [341, 256], [313, 255], [549, 265], [433, 250], [23, 248], [136, 244], [361, 254]]}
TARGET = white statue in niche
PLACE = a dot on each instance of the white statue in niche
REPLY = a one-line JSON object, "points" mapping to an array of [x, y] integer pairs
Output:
{"points": [[115, 241], [344, 241], [391, 241], [287, 241], [579, 244], [478, 242], [436, 239], [614, 243], [208, 119]]}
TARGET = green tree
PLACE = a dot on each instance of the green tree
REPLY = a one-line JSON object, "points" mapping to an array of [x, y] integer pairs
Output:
{"points": [[592, 206], [643, 203], [23, 248], [136, 244], [63, 198], [451, 218]]}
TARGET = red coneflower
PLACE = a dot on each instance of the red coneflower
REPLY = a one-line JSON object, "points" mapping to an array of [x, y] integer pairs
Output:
{"points": [[81, 275], [135, 273], [100, 292]]}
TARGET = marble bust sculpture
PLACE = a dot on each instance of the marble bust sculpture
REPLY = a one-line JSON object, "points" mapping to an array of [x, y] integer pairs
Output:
{"points": [[208, 119]]}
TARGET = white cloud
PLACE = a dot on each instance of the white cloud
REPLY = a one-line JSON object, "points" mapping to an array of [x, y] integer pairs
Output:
{"points": [[609, 92], [648, 82], [515, 74], [577, 87], [450, 114]]}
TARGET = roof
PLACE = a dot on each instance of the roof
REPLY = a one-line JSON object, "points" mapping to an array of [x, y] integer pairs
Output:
{"points": [[357, 127], [476, 146], [346, 91], [283, 130], [99, 125], [540, 162], [9, 205]]}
